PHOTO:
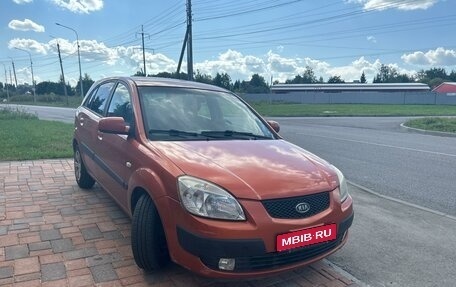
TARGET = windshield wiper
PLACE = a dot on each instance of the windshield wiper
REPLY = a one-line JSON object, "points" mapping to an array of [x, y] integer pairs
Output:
{"points": [[174, 133], [233, 134]]}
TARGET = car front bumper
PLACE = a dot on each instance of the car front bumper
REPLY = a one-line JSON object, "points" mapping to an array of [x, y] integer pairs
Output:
{"points": [[250, 254], [198, 243]]}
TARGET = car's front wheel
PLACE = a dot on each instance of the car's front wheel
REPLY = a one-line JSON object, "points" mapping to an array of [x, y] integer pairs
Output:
{"points": [[148, 239], [83, 178]]}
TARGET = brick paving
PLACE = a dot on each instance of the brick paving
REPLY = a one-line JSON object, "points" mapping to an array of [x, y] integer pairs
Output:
{"points": [[54, 234]]}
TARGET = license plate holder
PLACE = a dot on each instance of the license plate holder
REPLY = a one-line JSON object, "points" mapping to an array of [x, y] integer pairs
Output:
{"points": [[305, 237]]}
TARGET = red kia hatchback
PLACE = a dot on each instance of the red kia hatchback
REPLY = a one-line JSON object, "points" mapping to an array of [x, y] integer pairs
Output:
{"points": [[208, 182]]}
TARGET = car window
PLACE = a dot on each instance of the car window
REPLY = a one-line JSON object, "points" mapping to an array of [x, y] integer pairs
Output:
{"points": [[89, 98], [120, 105], [98, 100], [197, 111]]}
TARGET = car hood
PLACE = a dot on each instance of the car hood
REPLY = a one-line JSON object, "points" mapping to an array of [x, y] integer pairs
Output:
{"points": [[252, 169]]}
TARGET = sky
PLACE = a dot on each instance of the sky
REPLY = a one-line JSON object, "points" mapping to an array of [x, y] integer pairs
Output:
{"points": [[277, 39]]}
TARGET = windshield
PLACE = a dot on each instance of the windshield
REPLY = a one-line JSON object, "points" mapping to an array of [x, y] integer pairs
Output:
{"points": [[191, 114]]}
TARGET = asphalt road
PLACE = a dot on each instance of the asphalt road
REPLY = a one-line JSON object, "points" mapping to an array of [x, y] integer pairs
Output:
{"points": [[378, 154], [391, 243]]}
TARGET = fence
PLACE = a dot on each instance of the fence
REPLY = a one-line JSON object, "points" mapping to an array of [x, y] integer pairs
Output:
{"points": [[397, 98]]}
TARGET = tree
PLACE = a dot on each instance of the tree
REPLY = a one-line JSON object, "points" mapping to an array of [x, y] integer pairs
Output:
{"points": [[223, 81], [87, 82], [386, 74], [389, 74], [203, 78], [182, 76], [308, 77], [257, 84], [139, 74], [432, 76], [335, 80], [452, 76], [363, 78], [48, 87], [435, 82]]}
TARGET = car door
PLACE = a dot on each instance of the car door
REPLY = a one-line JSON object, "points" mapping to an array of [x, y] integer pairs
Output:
{"points": [[86, 124], [117, 151]]}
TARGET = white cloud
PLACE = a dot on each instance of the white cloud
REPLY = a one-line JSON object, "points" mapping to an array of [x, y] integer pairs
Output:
{"points": [[371, 39], [22, 1], [234, 63], [439, 56], [80, 6], [29, 45], [128, 60], [26, 25], [395, 4]]}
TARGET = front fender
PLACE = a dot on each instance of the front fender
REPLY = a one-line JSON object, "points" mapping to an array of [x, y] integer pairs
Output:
{"points": [[145, 180]]}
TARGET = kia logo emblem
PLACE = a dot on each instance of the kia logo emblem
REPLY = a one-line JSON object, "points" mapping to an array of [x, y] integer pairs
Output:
{"points": [[302, 207]]}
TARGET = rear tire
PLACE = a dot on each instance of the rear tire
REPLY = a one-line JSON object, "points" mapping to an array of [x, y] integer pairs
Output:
{"points": [[148, 240], [83, 178]]}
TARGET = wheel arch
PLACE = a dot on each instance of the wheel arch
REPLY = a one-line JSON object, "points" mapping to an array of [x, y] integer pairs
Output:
{"points": [[145, 181]]}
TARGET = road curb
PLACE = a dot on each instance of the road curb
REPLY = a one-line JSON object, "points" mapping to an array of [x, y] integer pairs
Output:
{"points": [[368, 190], [344, 273], [427, 132]]}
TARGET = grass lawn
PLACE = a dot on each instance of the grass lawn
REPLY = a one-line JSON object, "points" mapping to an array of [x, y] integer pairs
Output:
{"points": [[316, 110], [24, 137], [434, 124]]}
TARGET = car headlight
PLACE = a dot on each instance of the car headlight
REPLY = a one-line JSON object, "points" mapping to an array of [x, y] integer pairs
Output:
{"points": [[206, 199], [343, 188]]}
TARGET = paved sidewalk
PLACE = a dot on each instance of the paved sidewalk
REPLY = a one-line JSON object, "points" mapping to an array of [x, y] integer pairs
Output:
{"points": [[54, 234]]}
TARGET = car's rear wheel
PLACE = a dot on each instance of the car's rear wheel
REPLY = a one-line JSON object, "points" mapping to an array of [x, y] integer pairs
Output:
{"points": [[83, 178], [148, 239]]}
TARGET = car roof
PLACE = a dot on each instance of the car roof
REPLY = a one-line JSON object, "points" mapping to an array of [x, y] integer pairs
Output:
{"points": [[167, 82]]}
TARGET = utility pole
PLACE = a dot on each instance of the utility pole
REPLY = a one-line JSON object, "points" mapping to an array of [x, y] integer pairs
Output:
{"points": [[6, 83], [189, 41], [31, 68], [79, 57], [143, 50], [182, 52], [63, 75], [11, 76], [14, 71]]}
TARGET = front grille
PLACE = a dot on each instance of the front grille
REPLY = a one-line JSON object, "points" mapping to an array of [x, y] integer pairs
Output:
{"points": [[277, 259], [286, 207]]}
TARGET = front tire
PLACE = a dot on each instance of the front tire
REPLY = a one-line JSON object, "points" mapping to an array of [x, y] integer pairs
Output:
{"points": [[83, 178], [148, 239]]}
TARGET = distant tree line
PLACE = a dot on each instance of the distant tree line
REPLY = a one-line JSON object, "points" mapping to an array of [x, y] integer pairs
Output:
{"points": [[387, 74], [257, 84], [46, 88]]}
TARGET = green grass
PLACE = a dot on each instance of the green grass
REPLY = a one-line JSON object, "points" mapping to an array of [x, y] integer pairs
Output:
{"points": [[433, 124], [25, 137], [47, 100], [317, 110]]}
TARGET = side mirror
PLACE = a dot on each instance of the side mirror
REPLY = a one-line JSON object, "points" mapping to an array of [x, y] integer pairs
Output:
{"points": [[274, 125], [113, 125]]}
